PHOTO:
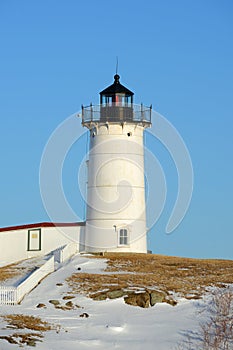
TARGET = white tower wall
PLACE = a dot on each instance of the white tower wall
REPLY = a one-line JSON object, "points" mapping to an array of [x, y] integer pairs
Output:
{"points": [[116, 189]]}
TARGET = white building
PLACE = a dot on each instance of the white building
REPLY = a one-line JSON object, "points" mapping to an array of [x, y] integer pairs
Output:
{"points": [[116, 210], [26, 241]]}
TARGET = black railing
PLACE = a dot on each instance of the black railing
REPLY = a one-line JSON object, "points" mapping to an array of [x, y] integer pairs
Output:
{"points": [[116, 112]]}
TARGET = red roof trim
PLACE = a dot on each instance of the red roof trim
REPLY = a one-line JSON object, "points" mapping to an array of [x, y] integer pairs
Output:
{"points": [[42, 224]]}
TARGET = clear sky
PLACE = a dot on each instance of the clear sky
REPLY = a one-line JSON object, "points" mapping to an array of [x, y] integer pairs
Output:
{"points": [[177, 55]]}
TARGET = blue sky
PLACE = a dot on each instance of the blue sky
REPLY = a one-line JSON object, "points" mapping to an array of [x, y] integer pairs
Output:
{"points": [[177, 55]]}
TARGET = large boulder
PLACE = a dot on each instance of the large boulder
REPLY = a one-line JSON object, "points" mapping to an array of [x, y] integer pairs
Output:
{"points": [[157, 297], [99, 296], [138, 299], [114, 294]]}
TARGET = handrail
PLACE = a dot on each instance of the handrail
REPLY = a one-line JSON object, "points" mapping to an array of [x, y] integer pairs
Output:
{"points": [[116, 112]]}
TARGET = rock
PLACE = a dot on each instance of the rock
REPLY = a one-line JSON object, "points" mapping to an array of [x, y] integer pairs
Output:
{"points": [[69, 304], [31, 342], [59, 284], [84, 315], [114, 294], [100, 296], [67, 297], [64, 308], [171, 301], [138, 299], [40, 305], [54, 302], [157, 297]]}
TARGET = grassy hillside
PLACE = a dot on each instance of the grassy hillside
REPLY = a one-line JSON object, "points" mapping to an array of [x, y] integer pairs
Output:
{"points": [[188, 277]]}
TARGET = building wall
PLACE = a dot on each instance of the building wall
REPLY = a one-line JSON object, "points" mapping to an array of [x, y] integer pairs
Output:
{"points": [[15, 246]]}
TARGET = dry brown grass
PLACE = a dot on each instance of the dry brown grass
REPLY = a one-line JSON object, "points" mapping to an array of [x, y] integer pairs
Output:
{"points": [[22, 322], [19, 321], [7, 272], [188, 277], [29, 339]]}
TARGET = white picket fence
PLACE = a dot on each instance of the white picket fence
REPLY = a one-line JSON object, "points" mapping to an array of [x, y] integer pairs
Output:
{"points": [[66, 252], [8, 295], [13, 295]]}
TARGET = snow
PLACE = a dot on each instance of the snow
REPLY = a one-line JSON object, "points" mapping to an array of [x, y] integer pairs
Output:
{"points": [[24, 269], [111, 323]]}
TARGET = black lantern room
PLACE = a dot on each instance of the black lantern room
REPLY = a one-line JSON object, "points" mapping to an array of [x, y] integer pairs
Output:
{"points": [[116, 102], [116, 93]]}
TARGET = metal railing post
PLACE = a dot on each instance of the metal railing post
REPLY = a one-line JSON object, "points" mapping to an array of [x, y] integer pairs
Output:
{"points": [[91, 112], [82, 114]]}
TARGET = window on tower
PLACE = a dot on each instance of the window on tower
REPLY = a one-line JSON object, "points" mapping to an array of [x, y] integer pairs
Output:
{"points": [[123, 236]]}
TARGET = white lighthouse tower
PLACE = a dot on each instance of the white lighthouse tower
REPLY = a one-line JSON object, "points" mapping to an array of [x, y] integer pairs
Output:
{"points": [[116, 210]]}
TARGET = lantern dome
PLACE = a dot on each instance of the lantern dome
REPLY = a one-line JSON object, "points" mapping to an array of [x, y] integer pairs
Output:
{"points": [[116, 93]]}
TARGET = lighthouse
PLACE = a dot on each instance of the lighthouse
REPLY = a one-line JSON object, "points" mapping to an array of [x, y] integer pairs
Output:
{"points": [[115, 202]]}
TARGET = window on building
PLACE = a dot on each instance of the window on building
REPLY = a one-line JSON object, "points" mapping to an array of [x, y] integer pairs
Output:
{"points": [[34, 239], [123, 236]]}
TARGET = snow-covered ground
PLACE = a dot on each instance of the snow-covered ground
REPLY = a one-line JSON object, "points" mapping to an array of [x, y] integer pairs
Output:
{"points": [[111, 324], [24, 268]]}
